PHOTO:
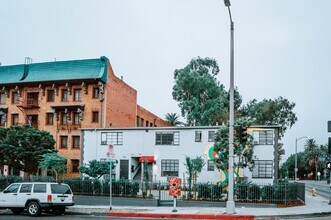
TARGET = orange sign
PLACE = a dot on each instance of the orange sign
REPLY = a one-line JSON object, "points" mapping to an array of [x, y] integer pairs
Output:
{"points": [[175, 186]]}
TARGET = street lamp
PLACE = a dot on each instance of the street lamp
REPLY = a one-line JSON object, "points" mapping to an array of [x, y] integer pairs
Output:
{"points": [[230, 205], [296, 157]]}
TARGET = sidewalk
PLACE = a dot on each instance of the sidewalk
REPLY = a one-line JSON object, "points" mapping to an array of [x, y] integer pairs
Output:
{"points": [[314, 206]]}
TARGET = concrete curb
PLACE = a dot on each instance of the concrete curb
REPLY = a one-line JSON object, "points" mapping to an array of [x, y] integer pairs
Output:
{"points": [[180, 216]]}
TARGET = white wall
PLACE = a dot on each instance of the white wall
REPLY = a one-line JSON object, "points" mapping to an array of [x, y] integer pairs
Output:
{"points": [[141, 142]]}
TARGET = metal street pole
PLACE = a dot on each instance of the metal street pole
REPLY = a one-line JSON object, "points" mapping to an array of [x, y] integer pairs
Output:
{"points": [[296, 157], [110, 186], [230, 205]]}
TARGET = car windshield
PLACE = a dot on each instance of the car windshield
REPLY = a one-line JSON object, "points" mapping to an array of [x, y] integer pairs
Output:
{"points": [[60, 189]]}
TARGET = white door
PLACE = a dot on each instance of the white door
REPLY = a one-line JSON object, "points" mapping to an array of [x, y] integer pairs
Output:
{"points": [[24, 194], [9, 196]]}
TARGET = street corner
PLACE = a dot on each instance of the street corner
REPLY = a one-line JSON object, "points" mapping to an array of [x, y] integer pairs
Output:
{"points": [[180, 216]]}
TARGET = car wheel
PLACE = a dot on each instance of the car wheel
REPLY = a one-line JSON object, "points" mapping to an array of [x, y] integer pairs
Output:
{"points": [[16, 211], [59, 210], [33, 209]]}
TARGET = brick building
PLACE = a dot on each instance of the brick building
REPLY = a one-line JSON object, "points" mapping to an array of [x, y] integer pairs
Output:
{"points": [[62, 97]]}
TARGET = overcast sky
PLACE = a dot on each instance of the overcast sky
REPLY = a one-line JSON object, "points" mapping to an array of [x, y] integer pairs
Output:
{"points": [[282, 48]]}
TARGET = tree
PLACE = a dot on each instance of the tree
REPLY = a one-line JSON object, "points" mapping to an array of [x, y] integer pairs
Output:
{"points": [[201, 97], [271, 112], [96, 169], [244, 150], [173, 119], [22, 147], [194, 168], [287, 168], [52, 161], [311, 154]]}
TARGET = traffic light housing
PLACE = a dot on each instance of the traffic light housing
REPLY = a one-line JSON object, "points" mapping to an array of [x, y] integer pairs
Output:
{"points": [[243, 132]]}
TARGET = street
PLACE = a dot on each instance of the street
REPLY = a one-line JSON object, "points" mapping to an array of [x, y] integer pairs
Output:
{"points": [[322, 188]]}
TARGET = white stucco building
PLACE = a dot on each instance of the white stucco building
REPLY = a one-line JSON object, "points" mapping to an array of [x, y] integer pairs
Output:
{"points": [[166, 148]]}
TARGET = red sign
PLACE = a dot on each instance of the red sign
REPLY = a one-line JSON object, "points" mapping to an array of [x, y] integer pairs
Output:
{"points": [[175, 186]]}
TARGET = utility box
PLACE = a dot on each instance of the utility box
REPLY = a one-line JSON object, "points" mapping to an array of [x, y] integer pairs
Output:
{"points": [[175, 186]]}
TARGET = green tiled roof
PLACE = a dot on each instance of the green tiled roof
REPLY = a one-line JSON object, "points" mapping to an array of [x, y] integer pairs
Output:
{"points": [[54, 71]]}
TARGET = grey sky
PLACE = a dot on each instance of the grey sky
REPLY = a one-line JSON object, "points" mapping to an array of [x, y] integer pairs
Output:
{"points": [[282, 48]]}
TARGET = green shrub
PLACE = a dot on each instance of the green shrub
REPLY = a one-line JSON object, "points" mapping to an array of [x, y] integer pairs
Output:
{"points": [[254, 192], [267, 192], [241, 190]]}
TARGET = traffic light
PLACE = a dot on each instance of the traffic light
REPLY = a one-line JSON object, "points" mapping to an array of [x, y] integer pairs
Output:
{"points": [[243, 132]]}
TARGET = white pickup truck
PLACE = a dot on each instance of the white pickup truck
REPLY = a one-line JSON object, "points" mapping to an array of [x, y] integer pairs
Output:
{"points": [[36, 197]]}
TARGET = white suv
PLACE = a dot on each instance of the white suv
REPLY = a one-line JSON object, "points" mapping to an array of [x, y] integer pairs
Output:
{"points": [[36, 197]]}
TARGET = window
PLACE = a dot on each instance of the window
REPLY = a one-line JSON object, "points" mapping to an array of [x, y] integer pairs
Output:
{"points": [[49, 118], [65, 95], [262, 169], [95, 117], [210, 165], [77, 95], [263, 137], [64, 118], [169, 167], [60, 189], [50, 95], [142, 122], [14, 119], [211, 136], [167, 138], [15, 99], [2, 98], [26, 188], [114, 138], [75, 165], [95, 93], [198, 136], [76, 118], [13, 188], [64, 142], [137, 121], [39, 188], [75, 141], [3, 119]]}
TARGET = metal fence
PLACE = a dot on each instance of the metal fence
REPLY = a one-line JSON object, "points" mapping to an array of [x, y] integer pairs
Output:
{"points": [[246, 192]]}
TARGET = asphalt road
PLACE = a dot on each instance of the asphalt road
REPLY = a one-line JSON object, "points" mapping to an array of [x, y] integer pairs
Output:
{"points": [[322, 188]]}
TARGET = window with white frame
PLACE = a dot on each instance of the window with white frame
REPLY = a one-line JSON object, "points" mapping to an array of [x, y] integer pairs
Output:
{"points": [[265, 137], [113, 138], [167, 138], [211, 136], [262, 169], [198, 136], [169, 167], [210, 165]]}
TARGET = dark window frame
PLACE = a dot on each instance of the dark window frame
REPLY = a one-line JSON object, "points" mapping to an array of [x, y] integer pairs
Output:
{"points": [[62, 145], [50, 95], [170, 138], [26, 188], [95, 117], [198, 136], [210, 165], [3, 98], [170, 167], [74, 142], [211, 136], [65, 95], [13, 117], [49, 118], [263, 137], [78, 95], [15, 98], [113, 138], [74, 166], [95, 93], [263, 169]]}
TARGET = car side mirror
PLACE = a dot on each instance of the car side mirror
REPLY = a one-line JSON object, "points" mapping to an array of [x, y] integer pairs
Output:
{"points": [[6, 191]]}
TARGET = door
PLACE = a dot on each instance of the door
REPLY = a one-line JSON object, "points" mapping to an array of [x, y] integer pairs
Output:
{"points": [[9, 196], [124, 169], [24, 194]]}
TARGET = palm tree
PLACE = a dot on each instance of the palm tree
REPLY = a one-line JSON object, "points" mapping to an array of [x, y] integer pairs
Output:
{"points": [[173, 119], [310, 159]]}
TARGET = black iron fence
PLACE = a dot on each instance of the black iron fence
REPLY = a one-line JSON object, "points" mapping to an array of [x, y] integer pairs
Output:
{"points": [[246, 192]]}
